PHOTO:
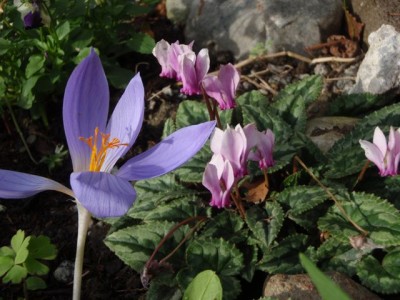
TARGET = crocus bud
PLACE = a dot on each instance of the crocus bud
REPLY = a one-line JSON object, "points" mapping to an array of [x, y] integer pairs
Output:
{"points": [[223, 87], [385, 155]]}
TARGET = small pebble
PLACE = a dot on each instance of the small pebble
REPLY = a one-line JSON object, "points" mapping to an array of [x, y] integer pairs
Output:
{"points": [[64, 272]]}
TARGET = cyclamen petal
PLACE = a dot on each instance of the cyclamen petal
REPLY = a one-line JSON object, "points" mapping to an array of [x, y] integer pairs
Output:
{"points": [[192, 70], [162, 52], [385, 155], [219, 179], [223, 87]]}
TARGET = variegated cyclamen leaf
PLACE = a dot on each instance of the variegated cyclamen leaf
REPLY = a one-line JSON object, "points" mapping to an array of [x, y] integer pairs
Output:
{"points": [[134, 245], [374, 276], [375, 215]]}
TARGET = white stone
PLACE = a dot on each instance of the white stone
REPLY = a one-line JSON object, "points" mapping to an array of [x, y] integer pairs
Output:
{"points": [[379, 72]]}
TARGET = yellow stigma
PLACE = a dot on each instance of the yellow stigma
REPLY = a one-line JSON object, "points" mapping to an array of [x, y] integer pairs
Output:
{"points": [[99, 155]]}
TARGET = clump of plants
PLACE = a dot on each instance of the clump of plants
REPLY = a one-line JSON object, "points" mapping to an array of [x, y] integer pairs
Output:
{"points": [[21, 262], [261, 192]]}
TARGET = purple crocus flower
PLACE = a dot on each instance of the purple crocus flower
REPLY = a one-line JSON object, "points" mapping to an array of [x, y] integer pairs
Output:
{"points": [[192, 71], [385, 155], [223, 87], [95, 145], [219, 179], [31, 14]]}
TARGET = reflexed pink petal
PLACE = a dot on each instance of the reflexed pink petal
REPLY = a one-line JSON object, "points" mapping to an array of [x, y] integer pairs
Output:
{"points": [[102, 194], [176, 51], [213, 88], [16, 185], [162, 51], [169, 154], [219, 178], [229, 78], [373, 153], [202, 64], [85, 107], [126, 121], [189, 76], [380, 140]]}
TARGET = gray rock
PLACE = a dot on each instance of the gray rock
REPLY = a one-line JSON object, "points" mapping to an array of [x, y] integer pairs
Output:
{"points": [[241, 26], [380, 70], [64, 272], [326, 131], [299, 287]]}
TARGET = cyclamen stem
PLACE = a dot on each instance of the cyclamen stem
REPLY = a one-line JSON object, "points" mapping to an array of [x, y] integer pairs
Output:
{"points": [[238, 202], [84, 219], [216, 114], [208, 104]]}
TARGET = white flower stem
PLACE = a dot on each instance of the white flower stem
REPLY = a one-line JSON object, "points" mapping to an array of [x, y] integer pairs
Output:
{"points": [[84, 219]]}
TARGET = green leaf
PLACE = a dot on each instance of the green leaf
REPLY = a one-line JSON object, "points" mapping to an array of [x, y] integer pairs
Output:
{"points": [[41, 247], [15, 275], [118, 77], [34, 283], [169, 128], [141, 42], [375, 215], [327, 289], [283, 257], [63, 30], [300, 199], [36, 63], [134, 245], [291, 102], [275, 220], [26, 99], [391, 263], [6, 263], [158, 191], [252, 98], [191, 112], [374, 276], [164, 286], [35, 267], [205, 286], [214, 254], [7, 251], [20, 245], [227, 225], [354, 104], [192, 171]]}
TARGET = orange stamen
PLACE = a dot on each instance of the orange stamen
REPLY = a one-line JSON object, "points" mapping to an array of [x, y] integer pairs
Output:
{"points": [[98, 156]]}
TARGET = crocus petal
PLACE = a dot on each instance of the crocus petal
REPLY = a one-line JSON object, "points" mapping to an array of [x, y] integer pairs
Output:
{"points": [[103, 194], [169, 154], [126, 121], [16, 185], [85, 107], [373, 153], [380, 140]]}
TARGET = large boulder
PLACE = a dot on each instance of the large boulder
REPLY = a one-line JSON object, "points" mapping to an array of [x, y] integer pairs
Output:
{"points": [[241, 26]]}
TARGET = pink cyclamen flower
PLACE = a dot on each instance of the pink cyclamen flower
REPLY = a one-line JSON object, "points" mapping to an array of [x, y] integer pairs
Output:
{"points": [[264, 146], [385, 155], [223, 87], [218, 178], [192, 71], [95, 145], [167, 56], [234, 146]]}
